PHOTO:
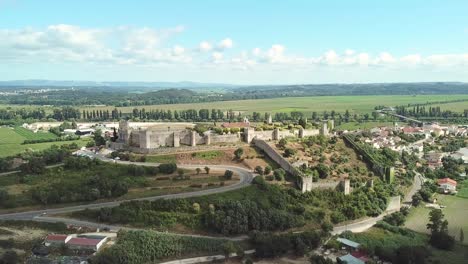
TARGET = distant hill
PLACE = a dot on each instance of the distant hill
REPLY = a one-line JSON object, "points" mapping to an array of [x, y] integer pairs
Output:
{"points": [[161, 85]]}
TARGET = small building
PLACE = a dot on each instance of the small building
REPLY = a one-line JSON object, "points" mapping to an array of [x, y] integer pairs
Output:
{"points": [[85, 243], [82, 132], [447, 185], [350, 259], [348, 244], [56, 240]]}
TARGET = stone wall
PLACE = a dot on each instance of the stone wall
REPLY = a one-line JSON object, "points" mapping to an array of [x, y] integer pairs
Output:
{"points": [[231, 138]]}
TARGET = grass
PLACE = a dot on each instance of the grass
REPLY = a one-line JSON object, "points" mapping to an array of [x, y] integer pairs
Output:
{"points": [[30, 135], [379, 237], [355, 104], [365, 125], [161, 158], [208, 155], [11, 140], [463, 191], [456, 214]]}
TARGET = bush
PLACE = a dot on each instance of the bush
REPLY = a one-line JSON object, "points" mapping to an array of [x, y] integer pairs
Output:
{"points": [[259, 170], [167, 168], [228, 174], [289, 152]]}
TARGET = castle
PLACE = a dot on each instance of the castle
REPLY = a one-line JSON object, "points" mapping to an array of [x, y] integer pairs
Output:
{"points": [[143, 138]]}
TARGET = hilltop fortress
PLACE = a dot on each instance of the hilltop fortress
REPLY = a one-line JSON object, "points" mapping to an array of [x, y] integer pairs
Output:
{"points": [[146, 139]]}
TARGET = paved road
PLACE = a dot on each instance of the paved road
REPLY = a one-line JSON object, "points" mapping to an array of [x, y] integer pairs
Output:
{"points": [[245, 176], [417, 185]]}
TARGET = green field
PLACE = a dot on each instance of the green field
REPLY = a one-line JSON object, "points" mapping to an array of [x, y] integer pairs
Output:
{"points": [[364, 125], [11, 140], [463, 191], [30, 135], [456, 214], [355, 104]]}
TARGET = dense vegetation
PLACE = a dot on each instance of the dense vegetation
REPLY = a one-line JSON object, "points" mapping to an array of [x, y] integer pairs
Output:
{"points": [[261, 207], [149, 246]]}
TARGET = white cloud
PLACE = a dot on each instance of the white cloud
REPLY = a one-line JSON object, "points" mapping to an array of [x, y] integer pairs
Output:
{"points": [[205, 46], [148, 46], [178, 50], [217, 56], [225, 44]]}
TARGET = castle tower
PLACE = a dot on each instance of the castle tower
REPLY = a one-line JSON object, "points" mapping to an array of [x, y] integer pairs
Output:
{"points": [[324, 129], [124, 131]]}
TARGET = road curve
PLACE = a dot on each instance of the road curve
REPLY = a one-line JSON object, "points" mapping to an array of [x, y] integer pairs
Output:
{"points": [[245, 176]]}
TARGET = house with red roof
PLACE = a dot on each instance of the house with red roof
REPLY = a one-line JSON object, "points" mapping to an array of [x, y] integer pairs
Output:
{"points": [[447, 185], [56, 239]]}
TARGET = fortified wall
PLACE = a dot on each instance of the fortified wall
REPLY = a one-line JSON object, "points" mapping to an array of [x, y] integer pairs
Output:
{"points": [[146, 138], [304, 182]]}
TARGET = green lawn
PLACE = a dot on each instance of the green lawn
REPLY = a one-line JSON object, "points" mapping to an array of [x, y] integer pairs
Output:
{"points": [[463, 191], [364, 125], [11, 141], [208, 155], [456, 214], [378, 237], [30, 135], [161, 158], [355, 104]]}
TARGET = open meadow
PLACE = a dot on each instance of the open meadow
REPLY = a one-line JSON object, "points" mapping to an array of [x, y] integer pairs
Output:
{"points": [[456, 213], [11, 140], [355, 104]]}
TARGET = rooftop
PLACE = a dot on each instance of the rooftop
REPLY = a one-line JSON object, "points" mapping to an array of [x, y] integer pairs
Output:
{"points": [[56, 237], [447, 180], [350, 259], [348, 242], [79, 241]]}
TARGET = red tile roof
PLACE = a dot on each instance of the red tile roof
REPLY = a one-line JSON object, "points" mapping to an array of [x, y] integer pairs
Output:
{"points": [[447, 180], [56, 237], [79, 241]]}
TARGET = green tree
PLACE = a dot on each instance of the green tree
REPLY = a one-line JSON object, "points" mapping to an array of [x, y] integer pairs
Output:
{"points": [[462, 236], [289, 152], [439, 231], [207, 170], [198, 170], [99, 140], [279, 174], [268, 170], [228, 174], [259, 170], [238, 153]]}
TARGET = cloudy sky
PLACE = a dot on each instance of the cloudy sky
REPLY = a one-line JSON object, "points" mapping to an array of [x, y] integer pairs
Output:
{"points": [[241, 41]]}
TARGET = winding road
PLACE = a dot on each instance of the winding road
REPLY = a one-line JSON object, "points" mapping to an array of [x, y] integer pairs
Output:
{"points": [[245, 176]]}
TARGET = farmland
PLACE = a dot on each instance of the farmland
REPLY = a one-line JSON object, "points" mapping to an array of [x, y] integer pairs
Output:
{"points": [[355, 104], [11, 140], [456, 212]]}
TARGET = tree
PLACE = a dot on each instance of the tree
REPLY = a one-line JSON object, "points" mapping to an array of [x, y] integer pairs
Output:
{"points": [[317, 259], [198, 170], [279, 174], [181, 173], [207, 170], [98, 138], [268, 170], [416, 199], [439, 231], [289, 152], [283, 142], [228, 174], [462, 236], [9, 257], [238, 153], [229, 248], [259, 170]]}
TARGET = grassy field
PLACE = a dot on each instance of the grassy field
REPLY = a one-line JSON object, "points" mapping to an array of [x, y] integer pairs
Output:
{"points": [[355, 104], [365, 125], [379, 237], [463, 191], [30, 135], [456, 214], [11, 140]]}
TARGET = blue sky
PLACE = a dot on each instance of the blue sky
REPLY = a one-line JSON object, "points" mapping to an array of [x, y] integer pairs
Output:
{"points": [[247, 42]]}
